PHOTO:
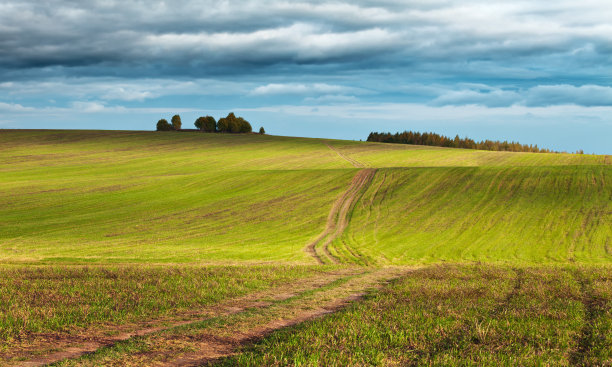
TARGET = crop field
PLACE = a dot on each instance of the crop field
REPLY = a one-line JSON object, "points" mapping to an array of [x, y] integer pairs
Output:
{"points": [[495, 214], [458, 315], [163, 248]]}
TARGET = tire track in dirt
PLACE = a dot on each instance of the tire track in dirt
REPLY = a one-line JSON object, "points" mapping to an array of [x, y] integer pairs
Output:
{"points": [[223, 347], [72, 347], [352, 161], [337, 220], [212, 347]]}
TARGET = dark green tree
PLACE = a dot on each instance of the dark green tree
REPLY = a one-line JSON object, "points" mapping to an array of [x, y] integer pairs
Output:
{"points": [[199, 123], [163, 125], [262, 130], [410, 137], [210, 125], [176, 122], [206, 123], [234, 125], [223, 125], [245, 126]]}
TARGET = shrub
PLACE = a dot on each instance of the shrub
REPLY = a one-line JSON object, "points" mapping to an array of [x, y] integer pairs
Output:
{"points": [[262, 130]]}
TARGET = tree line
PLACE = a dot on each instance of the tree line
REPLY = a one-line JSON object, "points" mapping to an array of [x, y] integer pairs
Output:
{"points": [[228, 124], [433, 139]]}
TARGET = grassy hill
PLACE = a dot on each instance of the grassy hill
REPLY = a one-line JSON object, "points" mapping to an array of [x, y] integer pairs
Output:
{"points": [[161, 248], [158, 197]]}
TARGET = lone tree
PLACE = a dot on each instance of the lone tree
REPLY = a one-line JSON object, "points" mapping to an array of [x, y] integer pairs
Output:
{"points": [[176, 122], [262, 130], [163, 125]]}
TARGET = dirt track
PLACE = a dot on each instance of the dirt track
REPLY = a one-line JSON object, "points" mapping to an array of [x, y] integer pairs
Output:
{"points": [[245, 320], [62, 347], [209, 346], [211, 343], [337, 220]]}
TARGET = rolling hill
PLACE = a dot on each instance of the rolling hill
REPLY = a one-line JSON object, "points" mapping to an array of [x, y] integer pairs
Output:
{"points": [[158, 197], [163, 248]]}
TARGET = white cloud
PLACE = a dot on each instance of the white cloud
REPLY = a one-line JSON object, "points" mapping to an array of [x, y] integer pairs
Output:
{"points": [[404, 113], [14, 107], [119, 89], [332, 98], [88, 107], [303, 89]]}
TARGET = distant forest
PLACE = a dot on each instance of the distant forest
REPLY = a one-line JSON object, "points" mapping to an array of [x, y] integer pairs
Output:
{"points": [[433, 139]]}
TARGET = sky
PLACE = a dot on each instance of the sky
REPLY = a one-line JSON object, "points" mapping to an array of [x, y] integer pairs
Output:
{"points": [[538, 71]]}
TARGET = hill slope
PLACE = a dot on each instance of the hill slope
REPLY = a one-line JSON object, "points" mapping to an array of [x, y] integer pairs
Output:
{"points": [[110, 196]]}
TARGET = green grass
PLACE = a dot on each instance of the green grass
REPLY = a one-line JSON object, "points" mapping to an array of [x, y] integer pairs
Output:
{"points": [[159, 197], [519, 214], [65, 299], [100, 230], [82, 197], [400, 155], [458, 315]]}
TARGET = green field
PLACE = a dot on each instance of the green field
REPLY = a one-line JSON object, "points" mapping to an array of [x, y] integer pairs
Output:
{"points": [[456, 316], [127, 197], [106, 235]]}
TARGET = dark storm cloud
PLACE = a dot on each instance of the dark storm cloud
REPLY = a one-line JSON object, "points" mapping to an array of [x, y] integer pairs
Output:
{"points": [[204, 37], [528, 53]]}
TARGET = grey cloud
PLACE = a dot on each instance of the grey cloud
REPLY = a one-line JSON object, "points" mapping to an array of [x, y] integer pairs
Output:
{"points": [[586, 95], [203, 38]]}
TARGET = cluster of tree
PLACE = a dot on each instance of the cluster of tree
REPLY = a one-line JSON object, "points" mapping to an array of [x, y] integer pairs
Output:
{"points": [[163, 125], [433, 139], [233, 124], [228, 124]]}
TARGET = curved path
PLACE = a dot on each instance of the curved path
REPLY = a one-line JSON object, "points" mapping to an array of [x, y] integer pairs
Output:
{"points": [[338, 217]]}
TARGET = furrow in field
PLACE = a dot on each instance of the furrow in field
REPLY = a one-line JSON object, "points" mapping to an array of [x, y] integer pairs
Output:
{"points": [[337, 220], [72, 347], [197, 345]]}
